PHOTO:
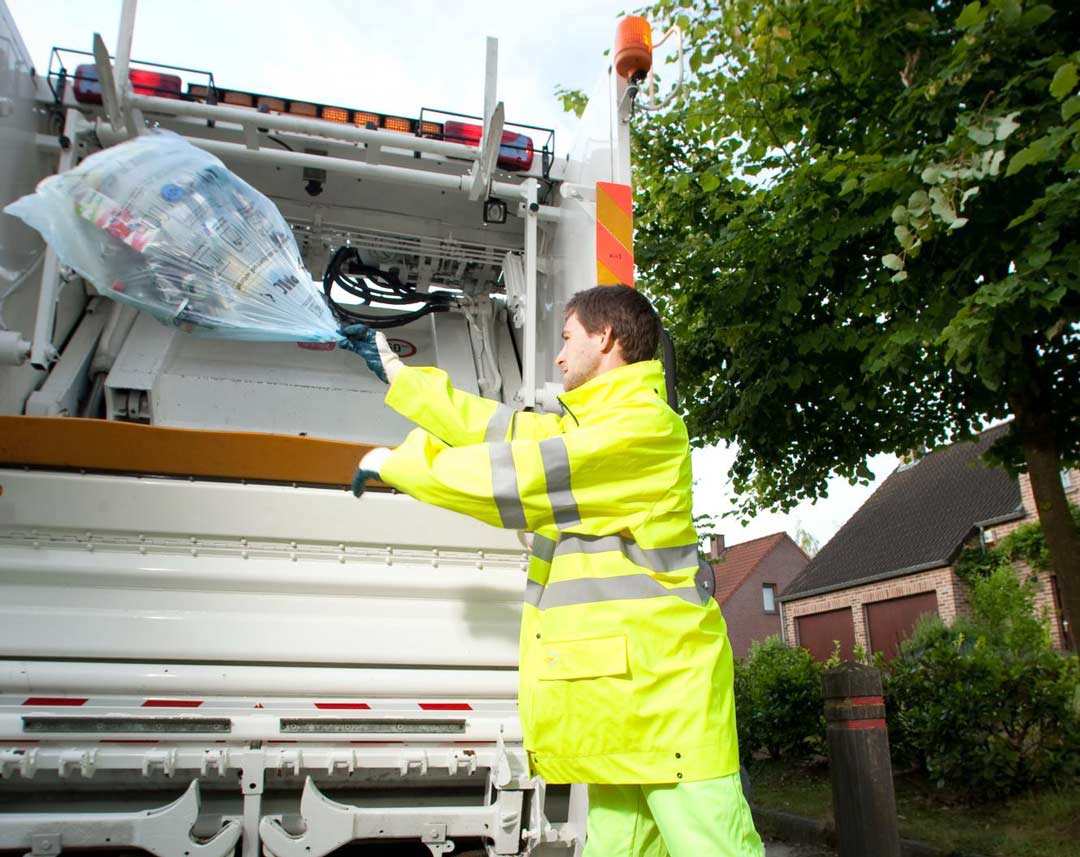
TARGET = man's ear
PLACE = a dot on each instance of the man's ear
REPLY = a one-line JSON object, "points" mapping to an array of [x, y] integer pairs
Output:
{"points": [[607, 339]]}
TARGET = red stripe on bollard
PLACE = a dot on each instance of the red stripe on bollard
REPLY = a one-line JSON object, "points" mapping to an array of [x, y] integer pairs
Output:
{"points": [[862, 724], [865, 700]]}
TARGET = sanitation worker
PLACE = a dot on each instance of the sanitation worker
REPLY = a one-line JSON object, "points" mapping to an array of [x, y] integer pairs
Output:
{"points": [[625, 668]]}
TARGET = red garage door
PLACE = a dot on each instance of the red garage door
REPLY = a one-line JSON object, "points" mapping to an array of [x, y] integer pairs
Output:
{"points": [[890, 622], [819, 632]]}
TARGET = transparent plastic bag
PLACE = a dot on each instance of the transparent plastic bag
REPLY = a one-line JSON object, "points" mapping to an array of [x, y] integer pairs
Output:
{"points": [[164, 226]]}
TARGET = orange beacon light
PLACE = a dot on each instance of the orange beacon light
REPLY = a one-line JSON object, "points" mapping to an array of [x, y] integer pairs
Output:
{"points": [[633, 47]]}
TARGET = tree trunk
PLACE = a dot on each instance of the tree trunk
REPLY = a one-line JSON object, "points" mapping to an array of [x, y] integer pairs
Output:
{"points": [[1044, 468], [1031, 407]]}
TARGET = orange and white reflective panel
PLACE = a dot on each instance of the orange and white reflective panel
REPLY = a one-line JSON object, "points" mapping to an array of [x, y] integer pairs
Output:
{"points": [[614, 234]]}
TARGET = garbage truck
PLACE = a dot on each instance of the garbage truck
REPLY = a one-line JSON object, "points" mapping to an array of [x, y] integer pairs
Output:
{"points": [[208, 646]]}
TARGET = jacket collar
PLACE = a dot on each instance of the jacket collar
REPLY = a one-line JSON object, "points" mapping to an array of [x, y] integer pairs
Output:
{"points": [[615, 387]]}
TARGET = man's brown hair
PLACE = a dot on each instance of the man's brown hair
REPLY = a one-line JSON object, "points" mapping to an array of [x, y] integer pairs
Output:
{"points": [[633, 321]]}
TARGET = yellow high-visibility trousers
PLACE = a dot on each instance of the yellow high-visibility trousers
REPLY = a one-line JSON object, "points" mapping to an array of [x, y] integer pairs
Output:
{"points": [[708, 818]]}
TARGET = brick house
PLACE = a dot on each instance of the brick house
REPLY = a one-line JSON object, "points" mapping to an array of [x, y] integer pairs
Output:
{"points": [[749, 579], [891, 562]]}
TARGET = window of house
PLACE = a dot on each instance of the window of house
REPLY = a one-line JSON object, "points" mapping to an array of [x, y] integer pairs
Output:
{"points": [[1067, 480], [768, 597]]}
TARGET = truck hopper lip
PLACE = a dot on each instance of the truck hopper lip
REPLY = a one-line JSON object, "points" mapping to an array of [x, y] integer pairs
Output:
{"points": [[67, 724], [365, 726]]}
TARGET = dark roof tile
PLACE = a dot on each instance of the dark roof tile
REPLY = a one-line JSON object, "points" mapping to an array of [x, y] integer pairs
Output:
{"points": [[918, 517]]}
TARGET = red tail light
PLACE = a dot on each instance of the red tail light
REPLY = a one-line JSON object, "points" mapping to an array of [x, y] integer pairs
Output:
{"points": [[88, 89], [515, 150]]}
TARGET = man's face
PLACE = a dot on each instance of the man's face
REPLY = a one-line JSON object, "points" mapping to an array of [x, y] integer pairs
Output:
{"points": [[581, 354]]}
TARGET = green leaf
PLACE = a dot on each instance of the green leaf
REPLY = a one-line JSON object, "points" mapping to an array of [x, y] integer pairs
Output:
{"points": [[918, 203], [900, 214], [1070, 108], [982, 136], [972, 16], [931, 175], [1005, 125], [1036, 15], [1064, 81], [1026, 157], [1038, 259], [849, 185], [1009, 9], [892, 262], [708, 182]]}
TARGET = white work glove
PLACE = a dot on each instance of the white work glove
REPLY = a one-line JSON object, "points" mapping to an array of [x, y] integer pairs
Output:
{"points": [[370, 465], [373, 347]]}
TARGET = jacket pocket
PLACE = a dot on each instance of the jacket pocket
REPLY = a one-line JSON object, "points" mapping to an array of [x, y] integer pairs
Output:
{"points": [[573, 659]]}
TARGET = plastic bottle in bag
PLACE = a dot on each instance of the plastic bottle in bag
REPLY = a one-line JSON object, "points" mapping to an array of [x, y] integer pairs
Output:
{"points": [[164, 226]]}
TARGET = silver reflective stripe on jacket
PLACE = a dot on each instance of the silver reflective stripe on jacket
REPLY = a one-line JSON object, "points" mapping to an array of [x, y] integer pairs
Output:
{"points": [[592, 590], [504, 487], [499, 424], [654, 559], [504, 483], [557, 473], [543, 548], [533, 593]]}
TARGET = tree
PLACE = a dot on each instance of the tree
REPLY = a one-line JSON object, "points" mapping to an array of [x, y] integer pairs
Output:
{"points": [[806, 541], [861, 221]]}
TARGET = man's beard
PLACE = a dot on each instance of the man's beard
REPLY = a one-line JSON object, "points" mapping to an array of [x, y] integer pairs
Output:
{"points": [[576, 377]]}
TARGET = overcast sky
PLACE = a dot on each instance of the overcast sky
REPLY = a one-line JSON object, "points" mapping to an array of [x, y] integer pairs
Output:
{"points": [[396, 57]]}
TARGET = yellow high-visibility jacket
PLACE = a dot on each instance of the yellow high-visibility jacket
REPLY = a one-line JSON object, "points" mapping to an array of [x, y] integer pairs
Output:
{"points": [[625, 669]]}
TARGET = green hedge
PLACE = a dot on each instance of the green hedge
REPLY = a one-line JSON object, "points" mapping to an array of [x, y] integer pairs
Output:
{"points": [[778, 701], [986, 707]]}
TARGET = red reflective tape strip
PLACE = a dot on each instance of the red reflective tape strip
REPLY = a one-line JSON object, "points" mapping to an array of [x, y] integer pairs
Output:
{"points": [[333, 706], [865, 700], [614, 209], [54, 700], [614, 261], [604, 277], [614, 234], [863, 724], [172, 703], [620, 195], [446, 706]]}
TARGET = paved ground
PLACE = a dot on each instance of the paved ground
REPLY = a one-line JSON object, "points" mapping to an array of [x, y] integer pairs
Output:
{"points": [[782, 849]]}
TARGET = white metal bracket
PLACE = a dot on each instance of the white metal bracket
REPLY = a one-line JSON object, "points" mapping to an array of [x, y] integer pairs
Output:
{"points": [[330, 825], [107, 82], [42, 350], [165, 832], [493, 124], [484, 168]]}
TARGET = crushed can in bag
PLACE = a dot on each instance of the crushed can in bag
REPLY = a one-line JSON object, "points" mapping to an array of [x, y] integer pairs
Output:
{"points": [[162, 225]]}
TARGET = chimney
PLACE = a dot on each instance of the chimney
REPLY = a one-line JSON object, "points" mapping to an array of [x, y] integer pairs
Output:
{"points": [[716, 546]]}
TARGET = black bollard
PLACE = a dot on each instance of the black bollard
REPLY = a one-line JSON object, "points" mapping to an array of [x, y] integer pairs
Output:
{"points": [[864, 802]]}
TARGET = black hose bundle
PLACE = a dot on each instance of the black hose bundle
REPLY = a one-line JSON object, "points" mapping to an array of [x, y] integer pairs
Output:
{"points": [[373, 285]]}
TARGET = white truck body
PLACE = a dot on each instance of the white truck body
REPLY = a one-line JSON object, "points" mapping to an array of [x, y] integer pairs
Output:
{"points": [[197, 660]]}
